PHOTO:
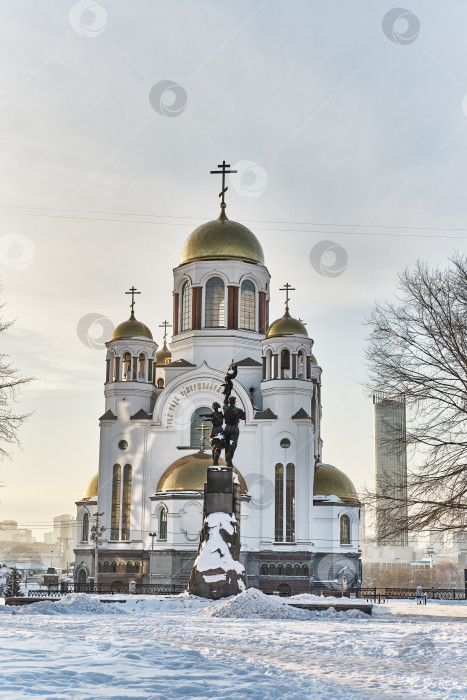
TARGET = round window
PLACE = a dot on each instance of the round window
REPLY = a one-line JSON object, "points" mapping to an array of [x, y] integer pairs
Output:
{"points": [[285, 442], [122, 445]]}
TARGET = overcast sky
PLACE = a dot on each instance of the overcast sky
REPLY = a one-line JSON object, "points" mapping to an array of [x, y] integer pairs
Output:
{"points": [[346, 123]]}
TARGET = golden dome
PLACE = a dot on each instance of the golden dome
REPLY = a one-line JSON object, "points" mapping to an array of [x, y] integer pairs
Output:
{"points": [[131, 329], [222, 239], [314, 361], [92, 488], [162, 355], [189, 474], [330, 481], [286, 326]]}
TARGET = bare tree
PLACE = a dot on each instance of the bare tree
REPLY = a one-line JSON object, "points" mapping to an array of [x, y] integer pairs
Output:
{"points": [[10, 383], [418, 348]]}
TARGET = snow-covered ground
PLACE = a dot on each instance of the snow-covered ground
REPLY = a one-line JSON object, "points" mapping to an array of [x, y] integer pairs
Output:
{"points": [[249, 647]]}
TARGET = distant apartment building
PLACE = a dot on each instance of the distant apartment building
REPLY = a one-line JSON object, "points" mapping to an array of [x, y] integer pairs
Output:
{"points": [[391, 470]]}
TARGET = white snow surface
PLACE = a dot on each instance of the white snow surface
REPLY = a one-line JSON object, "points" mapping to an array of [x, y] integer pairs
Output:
{"points": [[71, 604], [215, 553], [165, 649]]}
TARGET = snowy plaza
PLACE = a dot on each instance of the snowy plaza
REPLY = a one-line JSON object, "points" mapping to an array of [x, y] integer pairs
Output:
{"points": [[252, 646]]}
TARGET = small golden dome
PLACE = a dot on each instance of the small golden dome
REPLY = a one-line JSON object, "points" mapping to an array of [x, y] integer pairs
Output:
{"points": [[330, 481], [92, 488], [131, 329], [189, 474], [314, 361], [286, 326], [163, 356], [222, 239]]}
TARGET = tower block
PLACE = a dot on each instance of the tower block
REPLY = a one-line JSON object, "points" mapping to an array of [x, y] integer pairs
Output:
{"points": [[217, 571]]}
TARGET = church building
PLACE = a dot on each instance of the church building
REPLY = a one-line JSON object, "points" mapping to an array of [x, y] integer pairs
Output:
{"points": [[299, 523]]}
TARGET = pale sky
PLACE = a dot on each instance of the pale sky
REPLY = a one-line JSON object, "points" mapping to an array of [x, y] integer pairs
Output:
{"points": [[344, 125]]}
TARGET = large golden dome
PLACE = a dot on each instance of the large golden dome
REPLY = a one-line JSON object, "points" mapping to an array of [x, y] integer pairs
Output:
{"points": [[92, 488], [330, 481], [286, 326], [222, 239], [189, 474], [131, 329]]}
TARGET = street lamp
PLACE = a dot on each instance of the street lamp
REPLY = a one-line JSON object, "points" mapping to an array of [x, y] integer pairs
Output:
{"points": [[96, 532], [152, 535]]}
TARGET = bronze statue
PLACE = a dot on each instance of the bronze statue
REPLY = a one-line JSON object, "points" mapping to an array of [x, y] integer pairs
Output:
{"points": [[232, 417], [216, 436], [229, 377]]}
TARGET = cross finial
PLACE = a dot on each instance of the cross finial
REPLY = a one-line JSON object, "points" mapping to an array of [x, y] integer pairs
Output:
{"points": [[202, 427], [223, 172], [165, 325], [287, 288], [132, 305], [300, 320]]}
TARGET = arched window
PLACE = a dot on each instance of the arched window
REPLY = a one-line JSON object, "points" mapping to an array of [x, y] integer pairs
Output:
{"points": [[106, 567], [345, 529], [248, 306], [272, 569], [279, 504], [196, 420], [121, 567], [82, 576], [126, 502], [160, 383], [269, 364], [137, 567], [280, 570], [126, 367], [297, 570], [116, 369], [129, 567], [290, 503], [264, 569], [115, 518], [285, 364], [305, 570], [288, 570], [301, 365], [214, 316], [85, 532], [163, 524], [113, 567], [141, 366], [185, 324]]}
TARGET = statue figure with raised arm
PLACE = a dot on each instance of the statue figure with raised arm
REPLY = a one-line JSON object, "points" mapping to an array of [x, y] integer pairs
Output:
{"points": [[216, 436]]}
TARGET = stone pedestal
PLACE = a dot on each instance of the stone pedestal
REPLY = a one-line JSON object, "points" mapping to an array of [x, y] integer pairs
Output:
{"points": [[217, 571]]}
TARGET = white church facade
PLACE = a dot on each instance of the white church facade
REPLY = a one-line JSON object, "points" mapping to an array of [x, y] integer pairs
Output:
{"points": [[299, 516]]}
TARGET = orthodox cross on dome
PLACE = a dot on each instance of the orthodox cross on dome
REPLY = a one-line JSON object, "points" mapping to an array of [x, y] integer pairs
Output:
{"points": [[165, 325], [223, 172], [202, 427], [132, 305], [300, 320], [287, 288]]}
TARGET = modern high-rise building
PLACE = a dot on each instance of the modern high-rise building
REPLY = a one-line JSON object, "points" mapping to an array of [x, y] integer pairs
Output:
{"points": [[391, 470]]}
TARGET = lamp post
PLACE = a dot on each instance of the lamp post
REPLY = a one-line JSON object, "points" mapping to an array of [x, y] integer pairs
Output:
{"points": [[151, 535], [96, 532]]}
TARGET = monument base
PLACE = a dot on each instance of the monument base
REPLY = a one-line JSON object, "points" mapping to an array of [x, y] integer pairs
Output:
{"points": [[217, 571]]}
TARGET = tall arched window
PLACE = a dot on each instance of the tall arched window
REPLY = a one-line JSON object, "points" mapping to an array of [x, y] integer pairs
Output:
{"points": [[285, 364], [301, 365], [269, 364], [185, 324], [290, 503], [126, 502], [106, 567], [345, 529], [279, 504], [196, 420], [126, 366], [85, 531], [129, 567], [248, 306], [163, 523], [214, 303], [115, 518]]}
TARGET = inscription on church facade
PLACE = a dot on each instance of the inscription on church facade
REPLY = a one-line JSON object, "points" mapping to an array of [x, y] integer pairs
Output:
{"points": [[188, 389]]}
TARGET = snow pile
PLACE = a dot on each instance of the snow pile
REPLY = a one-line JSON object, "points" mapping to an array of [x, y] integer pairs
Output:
{"points": [[254, 603], [71, 604]]}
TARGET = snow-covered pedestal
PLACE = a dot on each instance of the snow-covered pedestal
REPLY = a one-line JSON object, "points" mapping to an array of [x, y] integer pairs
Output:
{"points": [[217, 571]]}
